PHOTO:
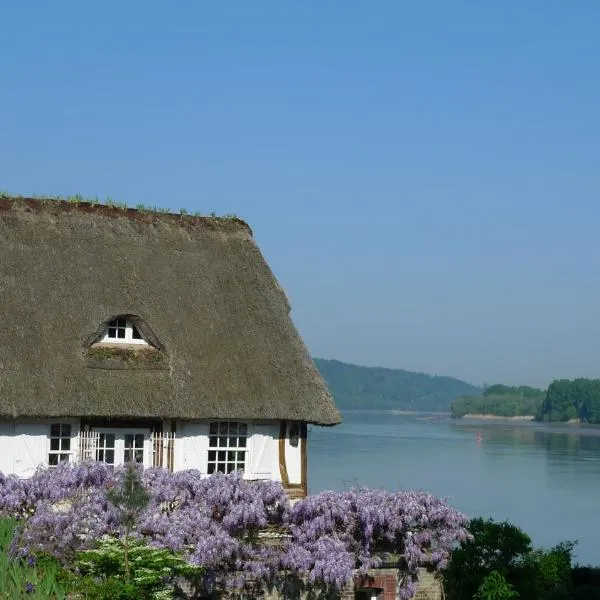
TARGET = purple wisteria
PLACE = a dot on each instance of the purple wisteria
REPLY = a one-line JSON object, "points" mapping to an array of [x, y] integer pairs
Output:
{"points": [[243, 532]]}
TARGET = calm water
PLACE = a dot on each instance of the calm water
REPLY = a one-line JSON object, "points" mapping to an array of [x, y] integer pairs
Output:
{"points": [[545, 479]]}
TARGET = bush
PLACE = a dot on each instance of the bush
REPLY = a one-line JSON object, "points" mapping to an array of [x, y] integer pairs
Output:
{"points": [[241, 531], [151, 572]]}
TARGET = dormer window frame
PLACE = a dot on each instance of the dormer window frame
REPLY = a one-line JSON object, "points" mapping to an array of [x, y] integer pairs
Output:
{"points": [[122, 330]]}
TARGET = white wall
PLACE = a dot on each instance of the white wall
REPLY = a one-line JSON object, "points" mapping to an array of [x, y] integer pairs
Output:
{"points": [[262, 459], [264, 451], [24, 445], [7, 438], [193, 449], [293, 456]]}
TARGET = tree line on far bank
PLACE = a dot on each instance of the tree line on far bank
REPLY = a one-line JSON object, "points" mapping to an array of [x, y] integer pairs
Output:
{"points": [[564, 400]]}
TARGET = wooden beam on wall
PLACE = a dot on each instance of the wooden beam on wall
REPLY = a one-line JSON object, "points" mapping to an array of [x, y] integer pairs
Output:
{"points": [[285, 479], [304, 458]]}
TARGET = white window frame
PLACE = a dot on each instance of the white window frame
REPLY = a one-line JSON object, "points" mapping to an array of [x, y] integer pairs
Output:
{"points": [[72, 452], [129, 329], [222, 443], [119, 433]]}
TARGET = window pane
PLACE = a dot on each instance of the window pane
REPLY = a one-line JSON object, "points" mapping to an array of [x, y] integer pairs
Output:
{"points": [[64, 458], [230, 468], [112, 332], [241, 457], [242, 442], [54, 444], [139, 456], [222, 442], [121, 322], [120, 333], [212, 455], [55, 430], [214, 428], [127, 455], [222, 455], [221, 467], [233, 428], [66, 430], [65, 443], [135, 334], [128, 440], [110, 457], [110, 440], [233, 442], [212, 442], [139, 440], [243, 429], [223, 428], [53, 459], [100, 455], [211, 469]]}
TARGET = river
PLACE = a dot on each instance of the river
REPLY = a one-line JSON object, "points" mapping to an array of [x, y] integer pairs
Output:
{"points": [[543, 478]]}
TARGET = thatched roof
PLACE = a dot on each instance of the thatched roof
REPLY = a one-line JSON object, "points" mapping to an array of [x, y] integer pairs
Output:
{"points": [[198, 288]]}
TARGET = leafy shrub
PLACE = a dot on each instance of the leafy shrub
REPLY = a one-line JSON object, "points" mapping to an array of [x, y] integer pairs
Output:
{"points": [[505, 549], [495, 587], [150, 573]]}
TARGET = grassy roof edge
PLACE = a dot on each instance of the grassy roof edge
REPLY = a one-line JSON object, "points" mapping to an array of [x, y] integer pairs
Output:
{"points": [[109, 207]]}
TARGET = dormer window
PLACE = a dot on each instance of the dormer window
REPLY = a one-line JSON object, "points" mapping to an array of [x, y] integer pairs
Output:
{"points": [[123, 331]]}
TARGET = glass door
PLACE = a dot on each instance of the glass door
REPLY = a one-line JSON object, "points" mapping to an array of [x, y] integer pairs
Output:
{"points": [[121, 446], [134, 448], [105, 450]]}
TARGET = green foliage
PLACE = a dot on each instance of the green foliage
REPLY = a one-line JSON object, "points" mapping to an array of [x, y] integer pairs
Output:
{"points": [[510, 404], [130, 497], [495, 587], [572, 399], [356, 387], [504, 549], [522, 391], [152, 571], [38, 578]]}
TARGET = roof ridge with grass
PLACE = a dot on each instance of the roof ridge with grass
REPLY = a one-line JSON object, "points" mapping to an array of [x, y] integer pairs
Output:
{"points": [[112, 208]]}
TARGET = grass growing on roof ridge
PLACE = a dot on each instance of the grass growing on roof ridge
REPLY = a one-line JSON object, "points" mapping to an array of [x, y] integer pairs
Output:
{"points": [[111, 203]]}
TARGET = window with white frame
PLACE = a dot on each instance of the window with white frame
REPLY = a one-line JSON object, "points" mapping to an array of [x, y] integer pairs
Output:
{"points": [[60, 444], [123, 331], [227, 442]]}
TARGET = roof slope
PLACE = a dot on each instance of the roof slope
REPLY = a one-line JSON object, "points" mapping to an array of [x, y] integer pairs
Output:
{"points": [[198, 286]]}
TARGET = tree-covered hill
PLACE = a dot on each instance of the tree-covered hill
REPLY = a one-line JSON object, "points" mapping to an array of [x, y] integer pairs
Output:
{"points": [[356, 387], [572, 399], [502, 401]]}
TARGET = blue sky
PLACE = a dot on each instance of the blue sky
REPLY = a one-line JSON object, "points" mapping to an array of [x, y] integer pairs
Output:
{"points": [[422, 177]]}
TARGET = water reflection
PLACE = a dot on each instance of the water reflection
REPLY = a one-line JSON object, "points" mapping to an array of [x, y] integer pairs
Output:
{"points": [[544, 478], [559, 444]]}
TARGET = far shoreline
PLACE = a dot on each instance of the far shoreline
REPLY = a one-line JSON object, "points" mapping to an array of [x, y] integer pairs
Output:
{"points": [[489, 417]]}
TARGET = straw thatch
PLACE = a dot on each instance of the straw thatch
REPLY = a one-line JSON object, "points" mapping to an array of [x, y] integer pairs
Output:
{"points": [[200, 291]]}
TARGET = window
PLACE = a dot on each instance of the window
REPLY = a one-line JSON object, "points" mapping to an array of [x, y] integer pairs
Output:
{"points": [[227, 446], [60, 444], [134, 448], [123, 331], [105, 450]]}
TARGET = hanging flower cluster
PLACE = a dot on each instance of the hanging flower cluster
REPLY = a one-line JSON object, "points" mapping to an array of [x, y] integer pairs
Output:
{"points": [[241, 531]]}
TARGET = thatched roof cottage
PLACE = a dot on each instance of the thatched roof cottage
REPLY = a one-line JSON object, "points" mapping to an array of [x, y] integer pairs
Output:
{"points": [[129, 335]]}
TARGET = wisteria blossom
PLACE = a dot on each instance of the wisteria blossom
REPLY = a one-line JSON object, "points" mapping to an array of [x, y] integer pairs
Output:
{"points": [[243, 532]]}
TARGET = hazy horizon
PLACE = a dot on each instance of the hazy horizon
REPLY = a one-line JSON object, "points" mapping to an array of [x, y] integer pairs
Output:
{"points": [[422, 178]]}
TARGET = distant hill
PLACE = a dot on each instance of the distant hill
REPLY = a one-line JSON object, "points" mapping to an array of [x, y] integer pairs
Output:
{"points": [[356, 387]]}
